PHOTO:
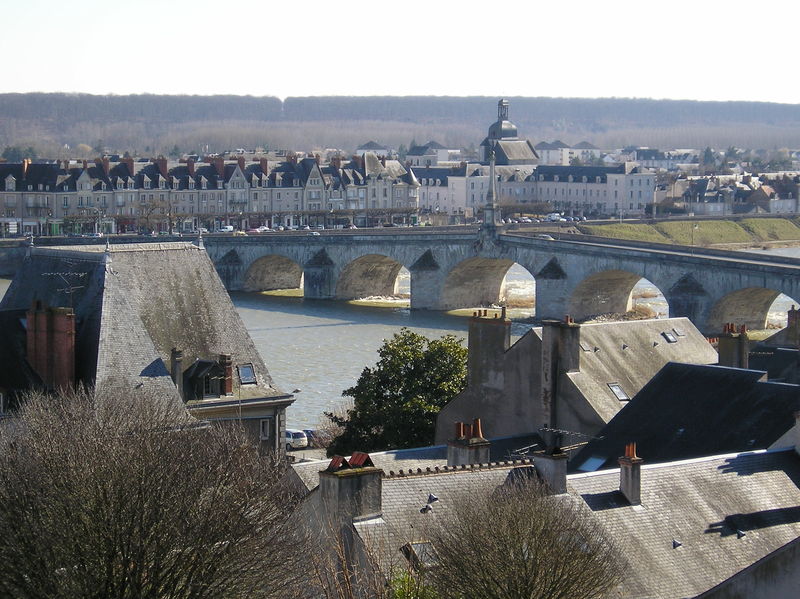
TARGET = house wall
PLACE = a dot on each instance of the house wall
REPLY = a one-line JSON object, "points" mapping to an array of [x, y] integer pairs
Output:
{"points": [[502, 389]]}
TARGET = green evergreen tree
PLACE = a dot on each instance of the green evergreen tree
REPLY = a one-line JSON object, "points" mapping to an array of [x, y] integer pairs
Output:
{"points": [[395, 403]]}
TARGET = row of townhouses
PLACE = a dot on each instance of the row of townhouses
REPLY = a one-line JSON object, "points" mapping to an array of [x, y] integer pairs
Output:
{"points": [[126, 194]]}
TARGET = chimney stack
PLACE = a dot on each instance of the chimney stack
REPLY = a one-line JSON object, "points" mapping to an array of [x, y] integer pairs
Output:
{"points": [[792, 334], [25, 163], [129, 163], [190, 166], [734, 347], [561, 352], [630, 475], [488, 340], [240, 162], [161, 163], [219, 165], [264, 166], [176, 369], [226, 361], [351, 490], [551, 466], [103, 163], [469, 445], [51, 344]]}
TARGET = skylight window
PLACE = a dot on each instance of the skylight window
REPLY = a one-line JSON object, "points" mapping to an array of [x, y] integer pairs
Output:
{"points": [[247, 375], [679, 332], [669, 337], [421, 555], [618, 391]]}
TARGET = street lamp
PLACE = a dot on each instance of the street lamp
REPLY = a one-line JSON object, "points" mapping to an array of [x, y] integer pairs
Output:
{"points": [[692, 229]]}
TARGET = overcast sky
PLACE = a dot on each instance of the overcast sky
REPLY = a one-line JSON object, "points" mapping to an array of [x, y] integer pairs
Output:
{"points": [[699, 49]]}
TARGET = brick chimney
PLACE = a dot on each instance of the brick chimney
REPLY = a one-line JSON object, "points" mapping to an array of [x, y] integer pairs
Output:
{"points": [[469, 446], [336, 162], [734, 347], [317, 159], [129, 163], [176, 369], [219, 165], [551, 466], [488, 340], [291, 158], [630, 475], [264, 165], [51, 344], [240, 162], [226, 361], [104, 164], [190, 166], [161, 163], [351, 490], [561, 351]]}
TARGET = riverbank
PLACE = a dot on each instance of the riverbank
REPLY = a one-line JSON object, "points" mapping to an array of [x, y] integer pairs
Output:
{"points": [[736, 233]]}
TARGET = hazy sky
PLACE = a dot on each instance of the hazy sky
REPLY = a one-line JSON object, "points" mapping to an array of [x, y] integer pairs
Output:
{"points": [[699, 49]]}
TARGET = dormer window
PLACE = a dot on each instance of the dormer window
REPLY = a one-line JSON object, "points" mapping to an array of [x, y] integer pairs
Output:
{"points": [[191, 183]]}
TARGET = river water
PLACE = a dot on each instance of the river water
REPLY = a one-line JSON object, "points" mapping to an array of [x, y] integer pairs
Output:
{"points": [[321, 347]]}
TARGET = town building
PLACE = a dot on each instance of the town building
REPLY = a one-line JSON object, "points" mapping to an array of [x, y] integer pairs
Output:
{"points": [[157, 195], [717, 526], [564, 375], [148, 320]]}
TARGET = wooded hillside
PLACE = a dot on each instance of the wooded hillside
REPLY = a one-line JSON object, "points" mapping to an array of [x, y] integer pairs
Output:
{"points": [[150, 124]]}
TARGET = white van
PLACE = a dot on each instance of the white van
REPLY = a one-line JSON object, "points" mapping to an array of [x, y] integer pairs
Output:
{"points": [[226, 229], [295, 439]]}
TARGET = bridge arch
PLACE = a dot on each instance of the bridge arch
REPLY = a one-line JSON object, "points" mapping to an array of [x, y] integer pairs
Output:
{"points": [[475, 282], [612, 292], [750, 306], [369, 275], [272, 272]]}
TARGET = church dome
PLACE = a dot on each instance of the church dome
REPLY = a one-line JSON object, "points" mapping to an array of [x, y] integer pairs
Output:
{"points": [[502, 128]]}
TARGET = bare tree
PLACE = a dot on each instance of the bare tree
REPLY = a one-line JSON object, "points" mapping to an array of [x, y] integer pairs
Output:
{"points": [[520, 542], [104, 495]]}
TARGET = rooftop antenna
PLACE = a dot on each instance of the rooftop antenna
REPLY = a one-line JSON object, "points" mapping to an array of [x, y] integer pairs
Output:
{"points": [[65, 278]]}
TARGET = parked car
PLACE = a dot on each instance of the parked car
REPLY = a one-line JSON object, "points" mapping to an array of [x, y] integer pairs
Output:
{"points": [[350, 226], [544, 236], [239, 234], [295, 439], [314, 439], [313, 233]]}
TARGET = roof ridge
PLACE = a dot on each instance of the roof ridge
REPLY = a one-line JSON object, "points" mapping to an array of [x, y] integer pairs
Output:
{"points": [[462, 468]]}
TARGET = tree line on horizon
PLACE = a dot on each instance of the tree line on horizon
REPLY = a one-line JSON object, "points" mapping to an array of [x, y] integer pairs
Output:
{"points": [[56, 124]]}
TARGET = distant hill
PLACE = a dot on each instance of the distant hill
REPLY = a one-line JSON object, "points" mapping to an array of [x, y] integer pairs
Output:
{"points": [[151, 123]]}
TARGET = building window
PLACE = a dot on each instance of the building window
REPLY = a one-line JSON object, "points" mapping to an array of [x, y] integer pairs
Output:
{"points": [[618, 392], [247, 375], [265, 429]]}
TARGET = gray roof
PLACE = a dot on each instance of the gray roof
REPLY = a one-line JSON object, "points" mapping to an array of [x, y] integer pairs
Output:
{"points": [[630, 354], [418, 458], [700, 504], [133, 304], [689, 410], [682, 540]]}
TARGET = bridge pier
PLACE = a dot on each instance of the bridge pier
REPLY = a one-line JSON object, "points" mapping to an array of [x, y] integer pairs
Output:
{"points": [[425, 289], [319, 278], [552, 297]]}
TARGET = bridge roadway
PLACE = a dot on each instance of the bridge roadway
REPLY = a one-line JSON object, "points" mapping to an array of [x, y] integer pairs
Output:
{"points": [[458, 267]]}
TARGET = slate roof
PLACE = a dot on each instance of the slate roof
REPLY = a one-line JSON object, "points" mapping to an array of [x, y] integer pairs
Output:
{"points": [[133, 304], [690, 410], [409, 460], [585, 145], [549, 172], [700, 504], [644, 353], [700, 523], [372, 146]]}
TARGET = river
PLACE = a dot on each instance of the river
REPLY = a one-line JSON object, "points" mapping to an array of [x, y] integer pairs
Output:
{"points": [[321, 347]]}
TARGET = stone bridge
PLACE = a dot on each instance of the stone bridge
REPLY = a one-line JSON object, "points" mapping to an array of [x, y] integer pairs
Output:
{"points": [[465, 268]]}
